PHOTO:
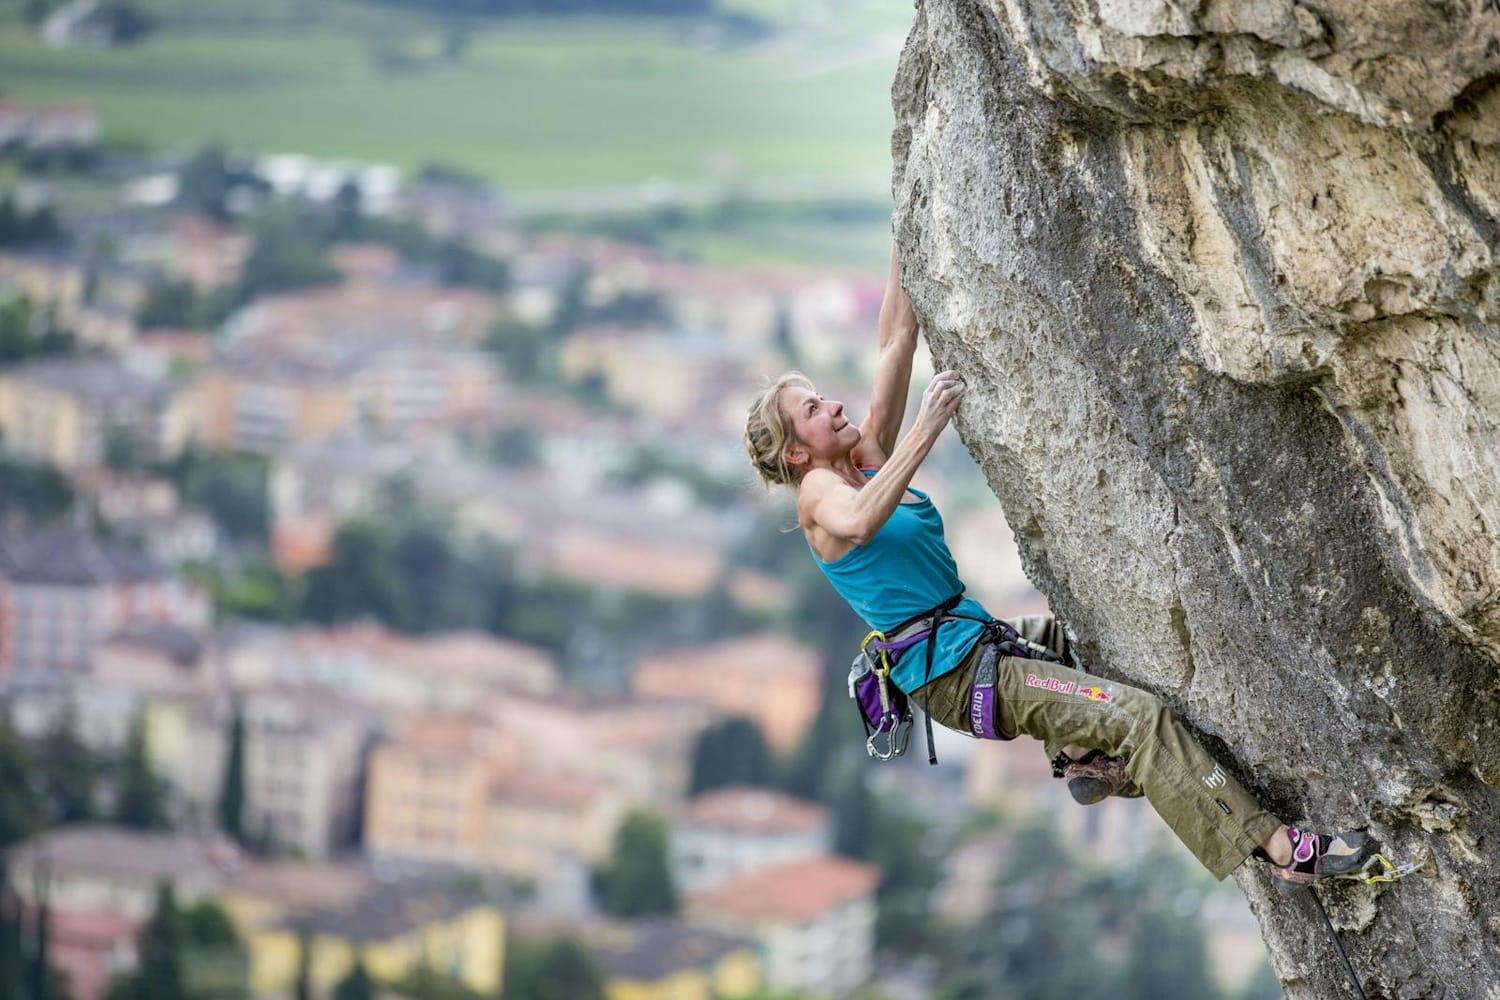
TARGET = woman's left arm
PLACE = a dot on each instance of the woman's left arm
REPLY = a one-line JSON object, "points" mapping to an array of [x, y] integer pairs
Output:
{"points": [[898, 342]]}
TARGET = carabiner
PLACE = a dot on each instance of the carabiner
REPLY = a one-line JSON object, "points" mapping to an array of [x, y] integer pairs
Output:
{"points": [[896, 737]]}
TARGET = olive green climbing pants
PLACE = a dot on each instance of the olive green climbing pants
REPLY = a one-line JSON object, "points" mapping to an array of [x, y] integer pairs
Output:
{"points": [[1208, 810]]}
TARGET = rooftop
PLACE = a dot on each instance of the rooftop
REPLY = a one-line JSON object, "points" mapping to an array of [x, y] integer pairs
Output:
{"points": [[755, 810], [549, 790], [184, 646], [302, 885], [798, 891], [94, 379], [759, 654], [71, 557], [115, 852], [388, 910], [609, 560], [659, 949]]}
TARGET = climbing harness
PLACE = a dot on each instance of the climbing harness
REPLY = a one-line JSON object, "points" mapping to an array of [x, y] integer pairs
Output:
{"points": [[1378, 869], [885, 709]]}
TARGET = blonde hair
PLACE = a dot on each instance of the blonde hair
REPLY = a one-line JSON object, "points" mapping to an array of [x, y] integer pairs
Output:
{"points": [[768, 431]]}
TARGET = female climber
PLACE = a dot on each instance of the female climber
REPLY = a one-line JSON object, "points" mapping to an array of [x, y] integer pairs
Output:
{"points": [[880, 544]]}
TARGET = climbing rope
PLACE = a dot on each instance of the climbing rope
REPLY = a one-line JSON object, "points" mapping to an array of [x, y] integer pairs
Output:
{"points": [[1374, 871], [1339, 947]]}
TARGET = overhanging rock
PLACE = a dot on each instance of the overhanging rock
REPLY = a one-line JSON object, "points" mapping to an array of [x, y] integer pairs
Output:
{"points": [[1222, 279]]}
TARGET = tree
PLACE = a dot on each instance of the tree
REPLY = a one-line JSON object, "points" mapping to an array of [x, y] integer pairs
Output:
{"points": [[68, 770], [180, 304], [140, 799], [1168, 956], [527, 353], [424, 562], [781, 336], [235, 489], [357, 985], [232, 791], [20, 227], [21, 806], [168, 303], [206, 182], [215, 964], [853, 807], [908, 876], [37, 965], [17, 341], [426, 983], [1046, 912], [636, 880], [460, 264], [288, 253], [572, 301], [127, 23], [33, 489], [11, 963], [159, 973], [348, 211], [205, 923], [560, 969], [732, 752], [360, 580], [302, 985], [831, 743]]}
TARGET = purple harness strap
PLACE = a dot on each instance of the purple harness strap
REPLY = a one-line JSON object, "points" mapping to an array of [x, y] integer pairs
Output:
{"points": [[984, 696], [901, 645], [984, 699]]}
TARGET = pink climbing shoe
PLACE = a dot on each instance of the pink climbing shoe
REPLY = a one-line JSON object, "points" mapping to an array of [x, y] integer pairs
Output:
{"points": [[1320, 855]]}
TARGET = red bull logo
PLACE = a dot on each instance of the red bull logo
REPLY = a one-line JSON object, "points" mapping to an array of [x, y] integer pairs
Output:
{"points": [[1051, 684], [1094, 694]]}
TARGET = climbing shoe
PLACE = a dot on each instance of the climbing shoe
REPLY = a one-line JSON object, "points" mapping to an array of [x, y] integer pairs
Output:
{"points": [[1320, 855], [1096, 776]]}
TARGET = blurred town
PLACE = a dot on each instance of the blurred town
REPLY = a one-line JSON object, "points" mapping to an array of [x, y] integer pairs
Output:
{"points": [[386, 609]]}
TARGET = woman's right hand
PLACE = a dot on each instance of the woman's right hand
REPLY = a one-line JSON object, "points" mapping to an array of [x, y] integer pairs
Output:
{"points": [[940, 402]]}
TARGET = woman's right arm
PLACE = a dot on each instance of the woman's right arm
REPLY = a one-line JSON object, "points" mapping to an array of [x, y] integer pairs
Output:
{"points": [[855, 515]]}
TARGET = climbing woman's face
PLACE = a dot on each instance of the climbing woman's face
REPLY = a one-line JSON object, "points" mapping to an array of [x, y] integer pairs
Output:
{"points": [[819, 425]]}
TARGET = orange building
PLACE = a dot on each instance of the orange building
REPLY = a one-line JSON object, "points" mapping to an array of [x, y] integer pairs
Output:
{"points": [[261, 408], [767, 677], [428, 792], [537, 820]]}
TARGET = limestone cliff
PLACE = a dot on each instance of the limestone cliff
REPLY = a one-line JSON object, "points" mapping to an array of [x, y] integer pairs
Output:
{"points": [[1222, 277]]}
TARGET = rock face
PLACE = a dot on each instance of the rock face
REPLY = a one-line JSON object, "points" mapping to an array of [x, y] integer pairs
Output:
{"points": [[1222, 277]]}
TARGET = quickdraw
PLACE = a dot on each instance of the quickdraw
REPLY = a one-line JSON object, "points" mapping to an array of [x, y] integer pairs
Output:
{"points": [[891, 729], [1380, 869]]}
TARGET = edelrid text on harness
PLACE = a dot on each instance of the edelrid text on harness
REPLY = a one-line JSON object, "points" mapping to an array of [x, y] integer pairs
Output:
{"points": [[885, 709]]}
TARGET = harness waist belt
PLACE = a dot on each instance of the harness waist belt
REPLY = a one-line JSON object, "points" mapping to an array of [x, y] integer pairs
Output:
{"points": [[914, 629]]}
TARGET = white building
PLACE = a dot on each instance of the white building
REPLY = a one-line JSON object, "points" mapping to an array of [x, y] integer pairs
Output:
{"points": [[814, 921], [304, 758], [728, 831]]}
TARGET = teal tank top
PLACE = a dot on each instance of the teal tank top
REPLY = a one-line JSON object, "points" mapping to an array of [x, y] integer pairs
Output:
{"points": [[904, 570]]}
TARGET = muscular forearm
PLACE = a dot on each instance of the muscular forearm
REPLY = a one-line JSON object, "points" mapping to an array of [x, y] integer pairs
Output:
{"points": [[898, 321], [898, 344]]}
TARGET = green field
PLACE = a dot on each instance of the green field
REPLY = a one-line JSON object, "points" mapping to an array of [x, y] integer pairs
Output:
{"points": [[537, 104]]}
